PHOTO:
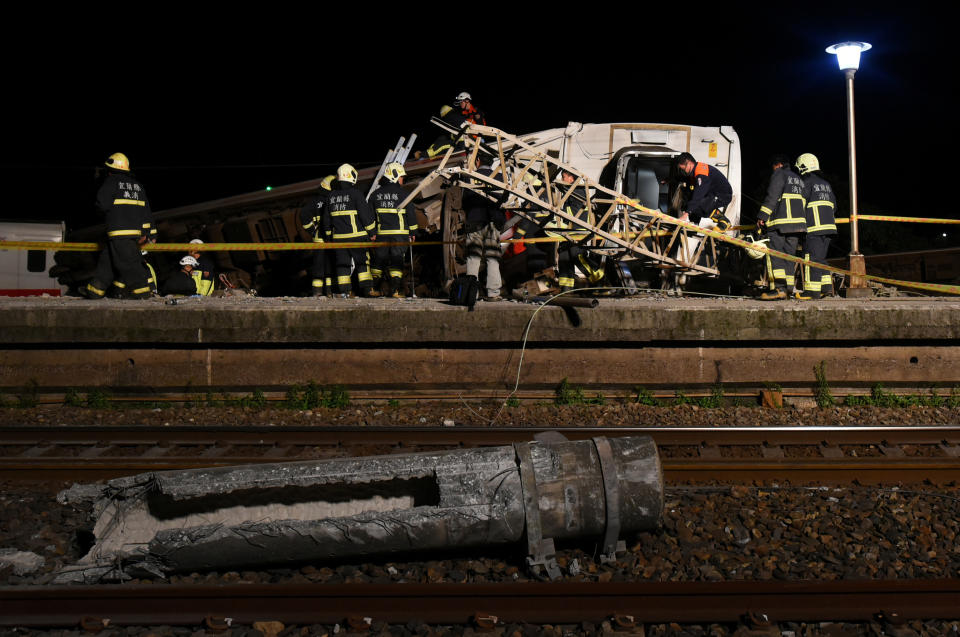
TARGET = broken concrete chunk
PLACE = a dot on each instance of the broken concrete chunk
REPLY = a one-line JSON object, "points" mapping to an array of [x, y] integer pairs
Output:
{"points": [[283, 514], [22, 562]]}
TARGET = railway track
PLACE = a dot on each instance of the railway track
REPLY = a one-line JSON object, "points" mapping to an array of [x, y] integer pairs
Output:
{"points": [[844, 454], [626, 603]]}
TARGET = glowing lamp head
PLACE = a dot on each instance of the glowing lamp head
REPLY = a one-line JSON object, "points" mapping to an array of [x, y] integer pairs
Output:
{"points": [[848, 54]]}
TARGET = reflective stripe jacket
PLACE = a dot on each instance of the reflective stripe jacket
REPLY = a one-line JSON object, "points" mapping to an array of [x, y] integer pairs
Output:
{"points": [[312, 215], [783, 207], [821, 205], [711, 190], [348, 217], [392, 221], [124, 202]]}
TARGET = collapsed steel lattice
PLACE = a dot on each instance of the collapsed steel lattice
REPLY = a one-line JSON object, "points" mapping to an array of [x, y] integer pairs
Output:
{"points": [[522, 181]]}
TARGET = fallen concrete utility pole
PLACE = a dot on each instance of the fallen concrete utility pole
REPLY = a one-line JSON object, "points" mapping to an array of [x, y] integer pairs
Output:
{"points": [[292, 513]]}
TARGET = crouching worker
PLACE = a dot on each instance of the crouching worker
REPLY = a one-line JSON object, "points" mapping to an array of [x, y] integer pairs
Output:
{"points": [[184, 282]]}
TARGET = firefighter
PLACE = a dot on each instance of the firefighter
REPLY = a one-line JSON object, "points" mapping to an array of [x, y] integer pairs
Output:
{"points": [[123, 201], [184, 281], [569, 254], [312, 217], [443, 143], [349, 219], [204, 271], [711, 192], [483, 224], [395, 225], [783, 220], [464, 102], [821, 205]]}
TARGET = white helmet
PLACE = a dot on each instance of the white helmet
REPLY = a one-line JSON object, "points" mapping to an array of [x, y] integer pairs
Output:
{"points": [[188, 260], [756, 254], [807, 162], [347, 173], [463, 96], [196, 240], [394, 171]]}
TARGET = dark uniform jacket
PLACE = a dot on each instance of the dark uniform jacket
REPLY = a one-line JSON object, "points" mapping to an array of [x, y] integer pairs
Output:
{"points": [[782, 209], [391, 220], [711, 190], [180, 283], [124, 202], [312, 215], [348, 217], [821, 205], [479, 210]]}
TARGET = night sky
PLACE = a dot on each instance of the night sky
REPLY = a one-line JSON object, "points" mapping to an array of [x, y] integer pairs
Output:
{"points": [[209, 104]]}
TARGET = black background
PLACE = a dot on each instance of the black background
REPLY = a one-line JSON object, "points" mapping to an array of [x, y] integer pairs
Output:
{"points": [[210, 102]]}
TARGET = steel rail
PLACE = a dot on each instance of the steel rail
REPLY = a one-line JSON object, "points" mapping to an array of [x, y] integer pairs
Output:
{"points": [[39, 606], [687, 454]]}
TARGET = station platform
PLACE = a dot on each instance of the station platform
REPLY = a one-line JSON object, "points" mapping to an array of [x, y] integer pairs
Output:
{"points": [[242, 343]]}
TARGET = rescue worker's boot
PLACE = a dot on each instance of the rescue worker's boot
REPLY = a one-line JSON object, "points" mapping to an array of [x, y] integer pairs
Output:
{"points": [[375, 288], [92, 291], [806, 295], [773, 295]]}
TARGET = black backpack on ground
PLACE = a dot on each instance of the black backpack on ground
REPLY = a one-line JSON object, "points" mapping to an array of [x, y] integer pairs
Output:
{"points": [[464, 290]]}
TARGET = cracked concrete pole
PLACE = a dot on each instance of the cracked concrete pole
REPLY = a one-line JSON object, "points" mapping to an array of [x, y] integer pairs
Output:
{"points": [[299, 512]]}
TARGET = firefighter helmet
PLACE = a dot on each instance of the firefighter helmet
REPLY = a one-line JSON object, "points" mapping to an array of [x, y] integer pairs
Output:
{"points": [[347, 173], [327, 182], [807, 163], [780, 159], [751, 252], [188, 260], [118, 161], [196, 240], [463, 96], [444, 110], [394, 171]]}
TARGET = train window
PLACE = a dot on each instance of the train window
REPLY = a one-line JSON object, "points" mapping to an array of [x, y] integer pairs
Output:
{"points": [[36, 261]]}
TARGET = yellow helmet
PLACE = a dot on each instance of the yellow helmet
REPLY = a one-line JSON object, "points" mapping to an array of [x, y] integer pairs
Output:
{"points": [[118, 161], [347, 173], [807, 162], [444, 110], [394, 171], [756, 254], [327, 182]]}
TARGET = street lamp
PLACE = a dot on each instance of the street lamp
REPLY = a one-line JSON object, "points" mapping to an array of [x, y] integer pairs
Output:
{"points": [[848, 57]]}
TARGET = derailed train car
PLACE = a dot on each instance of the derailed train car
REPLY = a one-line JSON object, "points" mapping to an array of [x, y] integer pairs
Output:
{"points": [[633, 158]]}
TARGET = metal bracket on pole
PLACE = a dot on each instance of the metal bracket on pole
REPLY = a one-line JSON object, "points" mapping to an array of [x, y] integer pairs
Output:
{"points": [[611, 491], [541, 551]]}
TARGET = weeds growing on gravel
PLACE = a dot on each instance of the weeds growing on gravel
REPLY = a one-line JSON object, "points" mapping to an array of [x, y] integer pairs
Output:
{"points": [[879, 397], [313, 396], [645, 397], [822, 392], [567, 394]]}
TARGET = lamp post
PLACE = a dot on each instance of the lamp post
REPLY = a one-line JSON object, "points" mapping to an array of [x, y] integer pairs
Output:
{"points": [[848, 57]]}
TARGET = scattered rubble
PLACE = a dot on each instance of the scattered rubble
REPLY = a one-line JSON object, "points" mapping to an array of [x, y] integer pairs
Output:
{"points": [[21, 562]]}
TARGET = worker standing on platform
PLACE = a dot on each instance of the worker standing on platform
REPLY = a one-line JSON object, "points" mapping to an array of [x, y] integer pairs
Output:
{"points": [[312, 217], [569, 254], [711, 192], [350, 220], [783, 219], [821, 205], [394, 224], [123, 201], [483, 224]]}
